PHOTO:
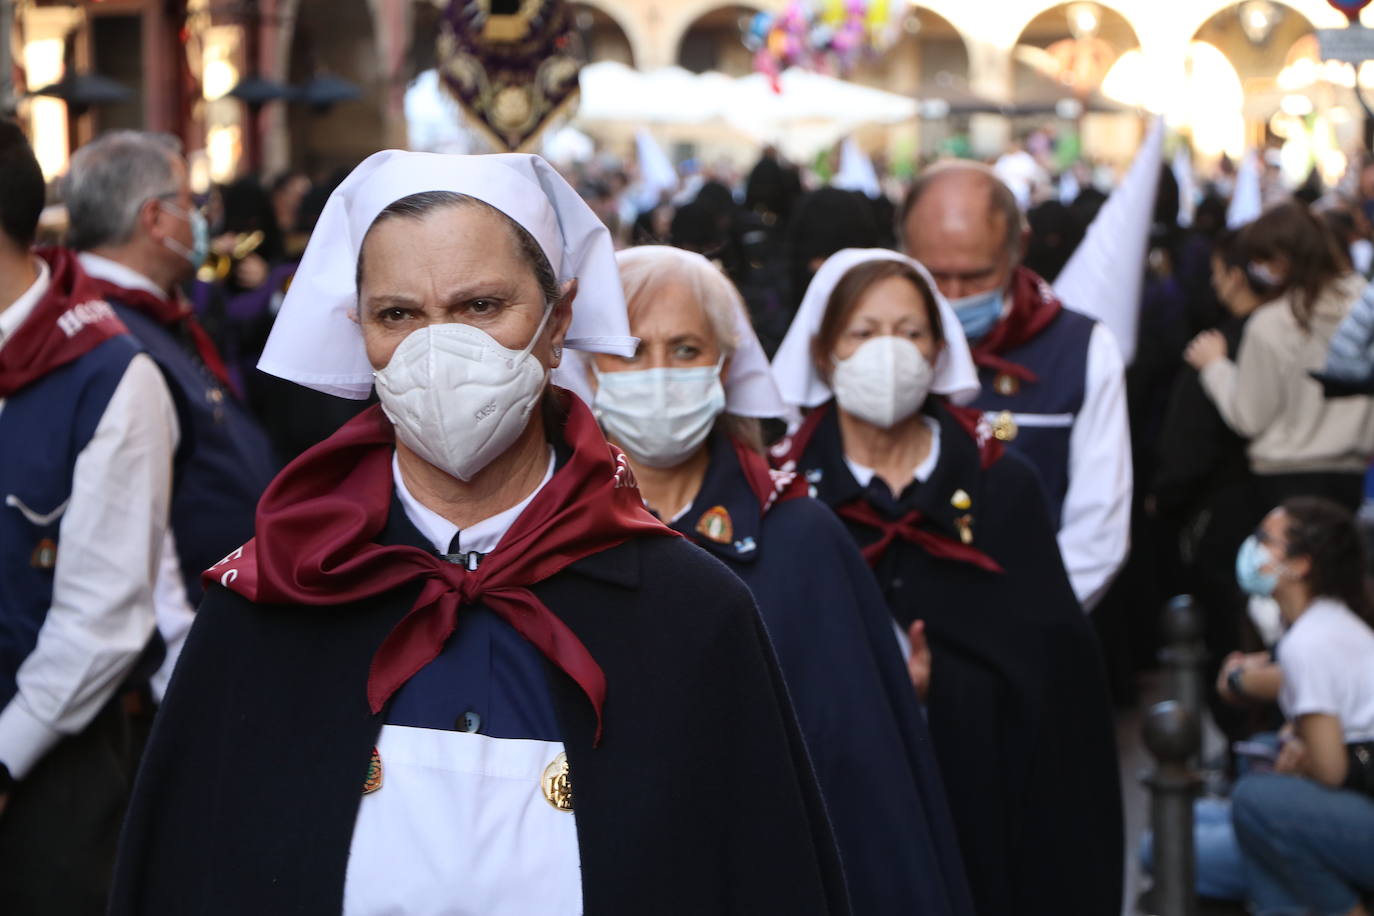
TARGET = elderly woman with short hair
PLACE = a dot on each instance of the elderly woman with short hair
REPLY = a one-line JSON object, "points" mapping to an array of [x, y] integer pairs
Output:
{"points": [[460, 668]]}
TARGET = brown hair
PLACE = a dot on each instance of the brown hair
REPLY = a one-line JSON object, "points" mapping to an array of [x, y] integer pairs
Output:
{"points": [[850, 290], [1291, 231], [1327, 534]]}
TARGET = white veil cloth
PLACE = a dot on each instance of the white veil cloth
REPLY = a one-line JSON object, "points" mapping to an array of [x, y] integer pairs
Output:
{"points": [[801, 384], [315, 341]]}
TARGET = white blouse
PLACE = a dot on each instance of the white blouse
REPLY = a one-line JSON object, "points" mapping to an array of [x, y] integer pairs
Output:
{"points": [[461, 824]]}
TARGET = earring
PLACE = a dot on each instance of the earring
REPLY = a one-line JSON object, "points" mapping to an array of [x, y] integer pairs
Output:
{"points": [[557, 352]]}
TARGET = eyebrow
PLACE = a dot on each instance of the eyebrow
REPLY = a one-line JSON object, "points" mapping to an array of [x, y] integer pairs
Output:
{"points": [[487, 289]]}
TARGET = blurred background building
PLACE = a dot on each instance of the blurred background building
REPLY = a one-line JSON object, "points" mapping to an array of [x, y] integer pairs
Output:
{"points": [[266, 85]]}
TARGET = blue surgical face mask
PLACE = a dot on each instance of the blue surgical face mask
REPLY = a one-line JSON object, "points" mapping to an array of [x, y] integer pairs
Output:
{"points": [[1250, 572], [660, 416], [979, 313], [200, 236]]}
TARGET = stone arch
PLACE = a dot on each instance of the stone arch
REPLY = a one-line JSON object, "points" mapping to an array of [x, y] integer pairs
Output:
{"points": [[630, 26], [711, 41]]}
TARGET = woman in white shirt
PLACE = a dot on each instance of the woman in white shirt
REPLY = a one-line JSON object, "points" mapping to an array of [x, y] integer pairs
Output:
{"points": [[1307, 830]]}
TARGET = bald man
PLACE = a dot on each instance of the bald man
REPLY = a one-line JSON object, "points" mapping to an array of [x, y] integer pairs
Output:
{"points": [[1053, 380]]}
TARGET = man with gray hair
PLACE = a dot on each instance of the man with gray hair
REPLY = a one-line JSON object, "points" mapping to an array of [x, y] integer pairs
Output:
{"points": [[1053, 380], [139, 235]]}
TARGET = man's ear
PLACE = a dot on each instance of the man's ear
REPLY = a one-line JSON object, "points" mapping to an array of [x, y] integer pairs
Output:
{"points": [[149, 219]]}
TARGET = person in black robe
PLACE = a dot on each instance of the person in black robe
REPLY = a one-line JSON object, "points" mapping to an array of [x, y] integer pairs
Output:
{"points": [[438, 596], [960, 541], [685, 409]]}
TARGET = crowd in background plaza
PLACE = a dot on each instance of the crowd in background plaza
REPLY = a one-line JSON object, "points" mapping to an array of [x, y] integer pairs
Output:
{"points": [[1226, 458]]}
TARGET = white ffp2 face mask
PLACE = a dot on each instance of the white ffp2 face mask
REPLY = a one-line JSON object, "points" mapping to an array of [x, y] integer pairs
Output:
{"points": [[457, 398], [659, 416], [883, 382]]}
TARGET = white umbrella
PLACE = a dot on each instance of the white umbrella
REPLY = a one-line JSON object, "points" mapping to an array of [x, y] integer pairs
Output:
{"points": [[1104, 276], [812, 111], [611, 91]]}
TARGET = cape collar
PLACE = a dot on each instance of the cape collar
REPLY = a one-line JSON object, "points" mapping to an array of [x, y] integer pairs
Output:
{"points": [[726, 518], [69, 320], [315, 545], [619, 566], [949, 501], [1034, 307]]}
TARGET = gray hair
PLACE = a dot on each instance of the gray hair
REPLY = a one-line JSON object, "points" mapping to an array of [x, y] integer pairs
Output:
{"points": [[418, 206], [111, 179]]}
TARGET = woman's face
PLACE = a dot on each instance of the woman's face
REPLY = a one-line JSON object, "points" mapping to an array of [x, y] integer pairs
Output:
{"points": [[453, 265], [673, 333], [892, 307], [1226, 283]]}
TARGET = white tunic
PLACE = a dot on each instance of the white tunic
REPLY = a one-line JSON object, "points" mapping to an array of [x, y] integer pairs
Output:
{"points": [[460, 824]]}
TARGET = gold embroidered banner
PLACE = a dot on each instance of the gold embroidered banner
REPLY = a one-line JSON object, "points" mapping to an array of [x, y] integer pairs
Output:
{"points": [[511, 64]]}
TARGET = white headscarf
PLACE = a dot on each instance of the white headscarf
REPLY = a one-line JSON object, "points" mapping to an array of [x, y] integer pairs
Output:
{"points": [[749, 387], [795, 371], [317, 344]]}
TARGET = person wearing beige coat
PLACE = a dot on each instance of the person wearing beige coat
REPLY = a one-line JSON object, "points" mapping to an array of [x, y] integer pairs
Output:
{"points": [[1300, 442]]}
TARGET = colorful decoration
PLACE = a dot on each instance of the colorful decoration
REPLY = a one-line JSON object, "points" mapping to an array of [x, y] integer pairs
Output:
{"points": [[828, 36], [510, 64]]}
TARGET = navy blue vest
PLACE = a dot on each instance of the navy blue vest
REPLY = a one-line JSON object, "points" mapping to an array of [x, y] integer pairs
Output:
{"points": [[43, 429], [1036, 418], [224, 460]]}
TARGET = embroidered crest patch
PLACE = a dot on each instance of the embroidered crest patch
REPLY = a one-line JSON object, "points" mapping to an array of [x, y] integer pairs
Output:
{"points": [[715, 525], [373, 782]]}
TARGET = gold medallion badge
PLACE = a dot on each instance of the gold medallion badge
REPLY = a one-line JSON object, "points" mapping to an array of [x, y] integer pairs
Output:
{"points": [[1004, 427], [1007, 385], [556, 784], [960, 500], [715, 525], [373, 782]]}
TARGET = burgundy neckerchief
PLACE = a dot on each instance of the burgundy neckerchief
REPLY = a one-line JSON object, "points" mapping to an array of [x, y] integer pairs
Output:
{"points": [[908, 526], [171, 313], [771, 486], [69, 321], [315, 545], [1033, 307]]}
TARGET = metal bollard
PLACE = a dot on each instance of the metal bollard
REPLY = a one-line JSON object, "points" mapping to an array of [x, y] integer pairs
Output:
{"points": [[1172, 735], [1184, 655]]}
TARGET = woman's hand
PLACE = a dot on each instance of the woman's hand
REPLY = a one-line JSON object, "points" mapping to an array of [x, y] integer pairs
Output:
{"points": [[918, 662], [1206, 348]]}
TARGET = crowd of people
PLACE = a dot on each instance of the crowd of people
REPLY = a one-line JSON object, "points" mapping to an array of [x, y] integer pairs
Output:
{"points": [[463, 535]]}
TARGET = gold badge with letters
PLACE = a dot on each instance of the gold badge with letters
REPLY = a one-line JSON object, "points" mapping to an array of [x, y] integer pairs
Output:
{"points": [[373, 782], [556, 783], [715, 525]]}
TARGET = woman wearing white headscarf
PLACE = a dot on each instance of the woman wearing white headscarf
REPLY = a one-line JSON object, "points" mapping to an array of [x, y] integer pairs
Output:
{"points": [[684, 408], [460, 668], [960, 541]]}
